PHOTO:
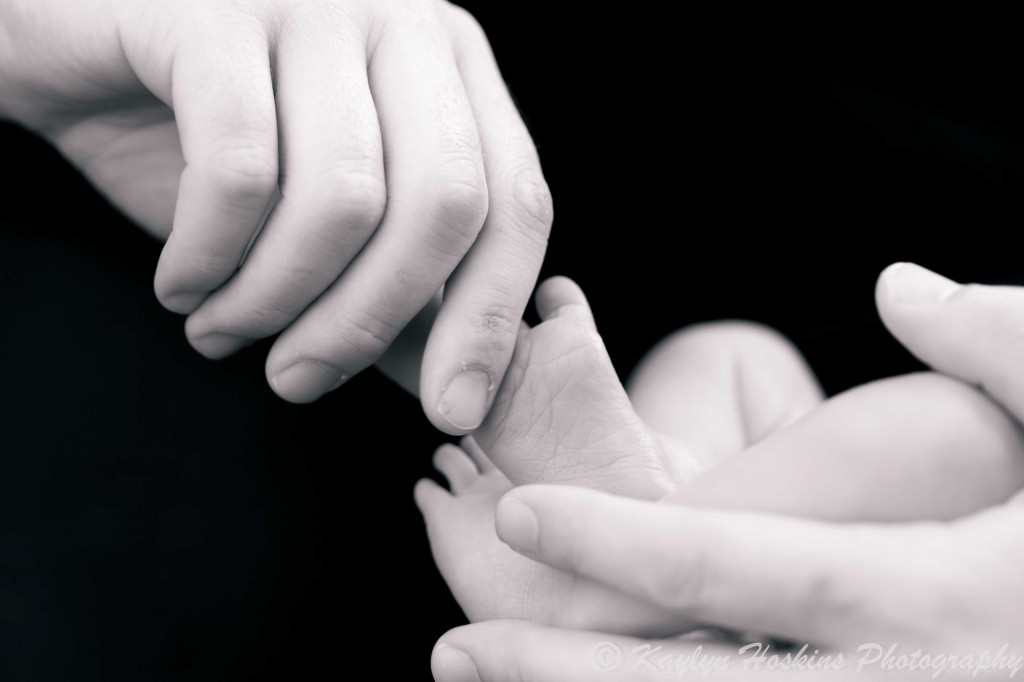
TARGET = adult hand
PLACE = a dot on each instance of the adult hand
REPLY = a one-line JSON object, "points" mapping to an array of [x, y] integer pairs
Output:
{"points": [[401, 161], [945, 588]]}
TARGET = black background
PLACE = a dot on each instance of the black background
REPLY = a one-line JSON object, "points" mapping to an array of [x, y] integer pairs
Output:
{"points": [[166, 517]]}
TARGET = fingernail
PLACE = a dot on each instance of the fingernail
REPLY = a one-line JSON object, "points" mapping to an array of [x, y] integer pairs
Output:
{"points": [[910, 284], [517, 525], [307, 380], [216, 346], [452, 665], [184, 303], [464, 400]]}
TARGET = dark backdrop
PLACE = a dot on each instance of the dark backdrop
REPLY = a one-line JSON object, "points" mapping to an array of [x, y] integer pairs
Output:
{"points": [[165, 517]]}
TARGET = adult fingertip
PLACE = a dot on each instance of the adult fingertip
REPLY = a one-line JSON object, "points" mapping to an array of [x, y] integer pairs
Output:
{"points": [[181, 302], [217, 346], [465, 399], [306, 380], [170, 294], [517, 525], [910, 285], [450, 664]]}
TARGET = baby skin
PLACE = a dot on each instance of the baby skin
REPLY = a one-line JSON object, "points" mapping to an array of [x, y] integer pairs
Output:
{"points": [[721, 415]]}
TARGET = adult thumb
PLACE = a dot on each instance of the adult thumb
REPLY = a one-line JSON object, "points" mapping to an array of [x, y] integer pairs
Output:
{"points": [[972, 332]]}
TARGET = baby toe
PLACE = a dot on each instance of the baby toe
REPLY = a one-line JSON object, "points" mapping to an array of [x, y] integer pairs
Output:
{"points": [[456, 466]]}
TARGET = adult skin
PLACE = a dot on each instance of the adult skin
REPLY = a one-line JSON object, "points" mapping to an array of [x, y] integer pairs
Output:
{"points": [[377, 134], [945, 588]]}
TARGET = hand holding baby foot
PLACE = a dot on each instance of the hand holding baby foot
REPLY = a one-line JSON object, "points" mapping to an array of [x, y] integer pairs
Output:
{"points": [[205, 115], [950, 587], [562, 414], [491, 581], [563, 407], [942, 589], [862, 456], [915, 447]]}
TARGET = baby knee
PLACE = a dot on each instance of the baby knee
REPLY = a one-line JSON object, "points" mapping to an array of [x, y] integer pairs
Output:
{"points": [[729, 339]]}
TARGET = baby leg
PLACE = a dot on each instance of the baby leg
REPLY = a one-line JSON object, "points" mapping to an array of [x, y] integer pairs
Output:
{"points": [[920, 446], [719, 387]]}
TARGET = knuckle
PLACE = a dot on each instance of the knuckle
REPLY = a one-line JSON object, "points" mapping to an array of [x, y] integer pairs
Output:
{"points": [[460, 201], [362, 198], [242, 175], [352, 203], [681, 586], [193, 270], [496, 327], [260, 317], [834, 595], [532, 203], [366, 335], [464, 21]]}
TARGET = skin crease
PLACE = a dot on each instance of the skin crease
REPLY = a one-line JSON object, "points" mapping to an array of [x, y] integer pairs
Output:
{"points": [[949, 588], [196, 117]]}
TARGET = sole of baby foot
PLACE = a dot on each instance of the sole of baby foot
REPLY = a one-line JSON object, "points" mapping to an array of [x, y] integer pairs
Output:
{"points": [[563, 416]]}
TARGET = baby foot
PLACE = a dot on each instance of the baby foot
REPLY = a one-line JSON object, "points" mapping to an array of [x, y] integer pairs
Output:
{"points": [[490, 580], [562, 415]]}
